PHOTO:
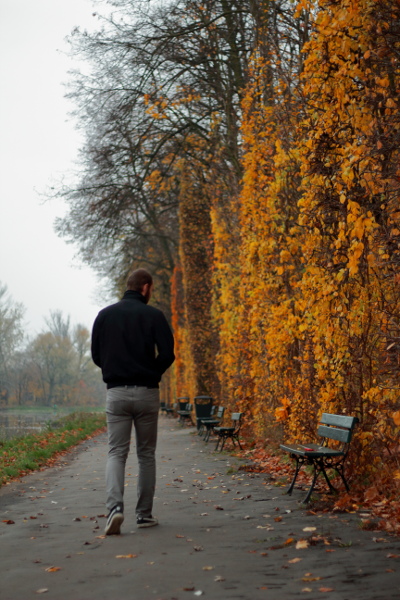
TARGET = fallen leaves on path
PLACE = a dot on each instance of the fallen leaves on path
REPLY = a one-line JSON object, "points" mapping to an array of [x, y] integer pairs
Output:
{"points": [[52, 569], [381, 498], [127, 556]]}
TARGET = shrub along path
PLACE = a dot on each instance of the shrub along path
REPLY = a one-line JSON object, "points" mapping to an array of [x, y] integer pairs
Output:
{"points": [[224, 534]]}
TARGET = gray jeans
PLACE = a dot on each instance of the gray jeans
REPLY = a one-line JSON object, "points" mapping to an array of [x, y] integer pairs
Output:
{"points": [[140, 406]]}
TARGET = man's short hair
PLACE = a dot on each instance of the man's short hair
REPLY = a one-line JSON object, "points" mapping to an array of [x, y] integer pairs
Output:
{"points": [[138, 279]]}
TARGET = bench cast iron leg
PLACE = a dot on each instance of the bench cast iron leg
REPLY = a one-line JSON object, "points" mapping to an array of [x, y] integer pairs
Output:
{"points": [[339, 469], [310, 491], [298, 465], [332, 489], [236, 437]]}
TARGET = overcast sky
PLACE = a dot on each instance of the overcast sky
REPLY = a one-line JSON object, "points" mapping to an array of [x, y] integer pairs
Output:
{"points": [[38, 144]]}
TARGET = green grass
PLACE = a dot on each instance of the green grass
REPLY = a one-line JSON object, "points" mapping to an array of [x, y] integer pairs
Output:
{"points": [[21, 455]]}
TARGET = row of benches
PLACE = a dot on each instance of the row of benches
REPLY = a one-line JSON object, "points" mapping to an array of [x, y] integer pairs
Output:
{"points": [[321, 457], [209, 419]]}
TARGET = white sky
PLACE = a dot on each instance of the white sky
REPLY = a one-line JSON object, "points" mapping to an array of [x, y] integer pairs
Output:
{"points": [[38, 144]]}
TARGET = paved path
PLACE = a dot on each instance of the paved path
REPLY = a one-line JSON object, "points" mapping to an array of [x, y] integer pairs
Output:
{"points": [[224, 534]]}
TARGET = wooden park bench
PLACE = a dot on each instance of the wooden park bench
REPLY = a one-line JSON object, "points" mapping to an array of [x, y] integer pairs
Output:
{"points": [[323, 456], [186, 413], [171, 410], [225, 433], [201, 429], [208, 425], [202, 406]]}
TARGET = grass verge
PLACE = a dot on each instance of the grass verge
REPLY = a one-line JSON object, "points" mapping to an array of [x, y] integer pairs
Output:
{"points": [[21, 455]]}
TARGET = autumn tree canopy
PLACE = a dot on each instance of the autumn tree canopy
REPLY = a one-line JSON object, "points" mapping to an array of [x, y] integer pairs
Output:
{"points": [[248, 154]]}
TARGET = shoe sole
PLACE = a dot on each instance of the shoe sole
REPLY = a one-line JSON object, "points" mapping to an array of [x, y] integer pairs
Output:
{"points": [[114, 527], [141, 525]]}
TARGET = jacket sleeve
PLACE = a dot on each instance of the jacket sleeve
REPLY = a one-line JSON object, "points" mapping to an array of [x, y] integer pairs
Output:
{"points": [[95, 345], [165, 344]]}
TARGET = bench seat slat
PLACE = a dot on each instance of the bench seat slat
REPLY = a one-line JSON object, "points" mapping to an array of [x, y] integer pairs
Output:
{"points": [[311, 450]]}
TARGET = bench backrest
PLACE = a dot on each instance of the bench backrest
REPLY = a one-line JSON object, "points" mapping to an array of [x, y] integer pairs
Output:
{"points": [[203, 406], [182, 401], [220, 412], [236, 420], [337, 427], [213, 409], [203, 400]]}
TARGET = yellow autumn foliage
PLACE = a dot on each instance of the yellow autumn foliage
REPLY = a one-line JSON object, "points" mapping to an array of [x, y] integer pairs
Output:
{"points": [[305, 259]]}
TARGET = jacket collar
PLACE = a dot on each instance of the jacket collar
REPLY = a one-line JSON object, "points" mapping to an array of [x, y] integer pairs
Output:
{"points": [[133, 295]]}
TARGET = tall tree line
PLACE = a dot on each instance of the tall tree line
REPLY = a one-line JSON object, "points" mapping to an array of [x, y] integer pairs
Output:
{"points": [[159, 101], [52, 368], [161, 89], [250, 149]]}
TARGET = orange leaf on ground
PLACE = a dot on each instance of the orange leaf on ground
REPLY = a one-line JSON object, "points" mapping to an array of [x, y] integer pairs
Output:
{"points": [[289, 541]]}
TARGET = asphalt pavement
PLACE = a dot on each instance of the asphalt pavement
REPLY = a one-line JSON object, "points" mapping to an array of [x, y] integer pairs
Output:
{"points": [[224, 534]]}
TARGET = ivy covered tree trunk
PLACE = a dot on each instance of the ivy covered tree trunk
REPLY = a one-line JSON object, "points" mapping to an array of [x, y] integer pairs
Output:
{"points": [[196, 254]]}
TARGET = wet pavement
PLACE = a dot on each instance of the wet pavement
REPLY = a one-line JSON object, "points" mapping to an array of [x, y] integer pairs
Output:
{"points": [[224, 534]]}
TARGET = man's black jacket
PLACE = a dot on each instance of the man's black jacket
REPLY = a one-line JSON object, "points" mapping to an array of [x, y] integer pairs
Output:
{"points": [[132, 342]]}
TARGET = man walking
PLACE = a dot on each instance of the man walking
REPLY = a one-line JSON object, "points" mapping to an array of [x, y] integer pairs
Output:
{"points": [[133, 345]]}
